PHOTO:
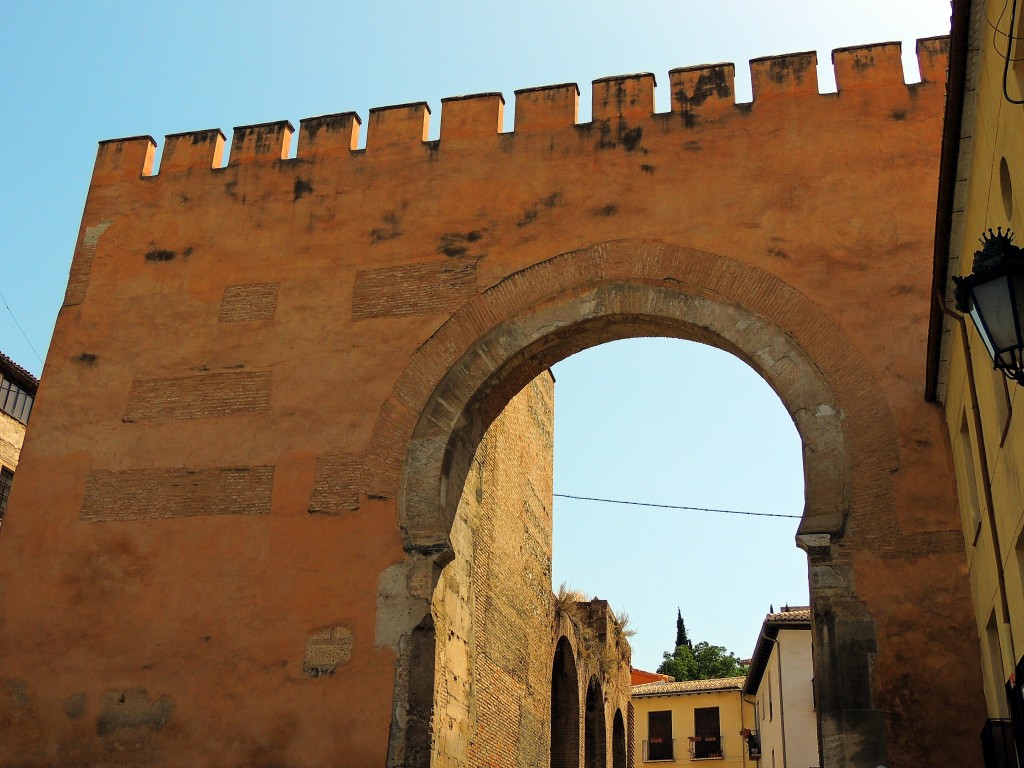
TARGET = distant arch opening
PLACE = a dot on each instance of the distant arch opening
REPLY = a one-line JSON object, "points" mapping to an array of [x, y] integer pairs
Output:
{"points": [[565, 708], [618, 741], [594, 743]]}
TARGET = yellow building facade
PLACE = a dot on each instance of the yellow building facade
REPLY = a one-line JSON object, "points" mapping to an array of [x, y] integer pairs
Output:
{"points": [[982, 187], [690, 721]]}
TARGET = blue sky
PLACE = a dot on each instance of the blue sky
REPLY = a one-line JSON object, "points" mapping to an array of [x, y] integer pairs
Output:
{"points": [[78, 72]]}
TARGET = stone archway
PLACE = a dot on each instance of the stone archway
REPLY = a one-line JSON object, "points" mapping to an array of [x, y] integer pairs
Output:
{"points": [[619, 758], [565, 708], [595, 753], [465, 374]]}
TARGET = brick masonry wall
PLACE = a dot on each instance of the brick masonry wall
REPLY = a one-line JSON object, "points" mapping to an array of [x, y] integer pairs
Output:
{"points": [[494, 602]]}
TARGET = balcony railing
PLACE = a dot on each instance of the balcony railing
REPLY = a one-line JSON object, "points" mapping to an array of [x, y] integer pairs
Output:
{"points": [[753, 741], [659, 749], [997, 744], [706, 748]]}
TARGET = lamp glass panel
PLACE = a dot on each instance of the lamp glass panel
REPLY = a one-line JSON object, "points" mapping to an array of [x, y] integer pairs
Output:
{"points": [[976, 316], [993, 305], [1009, 357]]}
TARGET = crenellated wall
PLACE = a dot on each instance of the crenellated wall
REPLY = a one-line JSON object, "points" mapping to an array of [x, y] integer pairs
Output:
{"points": [[269, 378], [698, 93]]}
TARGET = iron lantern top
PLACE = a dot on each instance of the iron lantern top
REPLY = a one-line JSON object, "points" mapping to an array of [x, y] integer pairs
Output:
{"points": [[998, 256]]}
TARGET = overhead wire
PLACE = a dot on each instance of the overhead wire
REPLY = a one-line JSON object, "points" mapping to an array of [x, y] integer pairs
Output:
{"points": [[27, 341], [674, 506]]}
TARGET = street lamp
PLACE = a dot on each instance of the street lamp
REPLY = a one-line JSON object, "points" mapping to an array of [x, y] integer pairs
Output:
{"points": [[993, 294]]}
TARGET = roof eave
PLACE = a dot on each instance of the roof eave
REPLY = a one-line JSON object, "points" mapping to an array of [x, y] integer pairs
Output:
{"points": [[956, 79]]}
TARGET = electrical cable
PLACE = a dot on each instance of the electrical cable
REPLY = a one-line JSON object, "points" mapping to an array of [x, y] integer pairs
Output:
{"points": [[1009, 54], [4, 298], [674, 506]]}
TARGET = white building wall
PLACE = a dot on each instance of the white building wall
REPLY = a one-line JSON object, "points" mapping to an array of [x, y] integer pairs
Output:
{"points": [[798, 698], [784, 700]]}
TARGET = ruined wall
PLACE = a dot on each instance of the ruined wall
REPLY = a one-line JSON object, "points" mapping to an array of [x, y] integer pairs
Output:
{"points": [[493, 605], [601, 652], [237, 493]]}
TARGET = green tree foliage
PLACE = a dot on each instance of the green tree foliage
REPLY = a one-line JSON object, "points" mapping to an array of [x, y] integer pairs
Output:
{"points": [[702, 661]]}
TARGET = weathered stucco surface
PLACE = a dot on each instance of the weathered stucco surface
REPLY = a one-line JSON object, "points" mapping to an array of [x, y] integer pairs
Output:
{"points": [[268, 381]]}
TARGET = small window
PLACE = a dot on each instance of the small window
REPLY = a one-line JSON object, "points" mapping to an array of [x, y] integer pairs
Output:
{"points": [[967, 478], [771, 703], [996, 676], [659, 736], [707, 733], [15, 401], [6, 478]]}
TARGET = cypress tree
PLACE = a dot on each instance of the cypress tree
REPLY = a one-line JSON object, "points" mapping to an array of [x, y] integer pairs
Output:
{"points": [[681, 638]]}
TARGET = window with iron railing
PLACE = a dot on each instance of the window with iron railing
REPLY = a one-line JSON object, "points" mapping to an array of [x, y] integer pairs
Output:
{"points": [[706, 742], [656, 750], [659, 744], [752, 739]]}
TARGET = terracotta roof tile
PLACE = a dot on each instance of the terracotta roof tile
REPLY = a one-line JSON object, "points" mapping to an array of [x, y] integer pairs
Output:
{"points": [[688, 686], [791, 615], [17, 374], [791, 618]]}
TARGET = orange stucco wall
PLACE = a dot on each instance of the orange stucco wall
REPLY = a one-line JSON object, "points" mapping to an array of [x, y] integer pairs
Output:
{"points": [[214, 470]]}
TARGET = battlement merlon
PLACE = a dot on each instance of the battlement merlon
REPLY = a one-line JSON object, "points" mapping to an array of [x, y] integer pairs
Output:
{"points": [[704, 91], [933, 58], [795, 74], [263, 141], [626, 96], [329, 135], [548, 107], [195, 149], [398, 126], [119, 159], [866, 66], [473, 116]]}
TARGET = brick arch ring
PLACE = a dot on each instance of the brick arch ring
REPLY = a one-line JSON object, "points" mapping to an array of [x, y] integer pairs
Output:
{"points": [[460, 379]]}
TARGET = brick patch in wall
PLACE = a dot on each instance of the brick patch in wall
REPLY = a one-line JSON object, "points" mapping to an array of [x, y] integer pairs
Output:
{"points": [[81, 265], [193, 397], [337, 483], [147, 494], [248, 302], [413, 289], [326, 648]]}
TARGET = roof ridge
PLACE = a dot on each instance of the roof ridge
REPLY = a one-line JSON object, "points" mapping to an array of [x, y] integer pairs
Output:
{"points": [[16, 372]]}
